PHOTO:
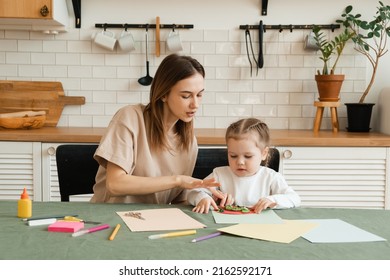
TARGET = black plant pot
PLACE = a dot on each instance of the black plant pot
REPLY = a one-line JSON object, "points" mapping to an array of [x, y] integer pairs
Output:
{"points": [[359, 116]]}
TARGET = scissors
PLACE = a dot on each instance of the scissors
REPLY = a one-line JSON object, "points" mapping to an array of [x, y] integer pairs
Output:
{"points": [[136, 215], [74, 219]]}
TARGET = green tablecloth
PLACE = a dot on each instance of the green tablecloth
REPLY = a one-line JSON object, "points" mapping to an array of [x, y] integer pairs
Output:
{"points": [[19, 241]]}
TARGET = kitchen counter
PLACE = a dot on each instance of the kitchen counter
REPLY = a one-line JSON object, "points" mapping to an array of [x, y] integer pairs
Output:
{"points": [[304, 138]]}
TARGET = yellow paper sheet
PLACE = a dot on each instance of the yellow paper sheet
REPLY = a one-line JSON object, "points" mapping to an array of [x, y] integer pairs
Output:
{"points": [[283, 233], [160, 219]]}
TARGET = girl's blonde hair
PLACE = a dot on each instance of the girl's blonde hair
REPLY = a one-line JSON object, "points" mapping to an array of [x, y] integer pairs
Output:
{"points": [[256, 127]]}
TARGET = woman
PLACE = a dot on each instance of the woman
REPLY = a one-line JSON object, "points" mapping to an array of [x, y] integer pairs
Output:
{"points": [[149, 152]]}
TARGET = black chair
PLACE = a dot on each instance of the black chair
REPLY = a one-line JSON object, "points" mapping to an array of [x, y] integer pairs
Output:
{"points": [[209, 158], [76, 169]]}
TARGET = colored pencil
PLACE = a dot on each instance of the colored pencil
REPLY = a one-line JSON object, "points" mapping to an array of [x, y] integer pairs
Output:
{"points": [[215, 234], [114, 232], [172, 234]]}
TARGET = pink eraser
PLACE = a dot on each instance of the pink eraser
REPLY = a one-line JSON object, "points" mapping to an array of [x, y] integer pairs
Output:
{"points": [[61, 226]]}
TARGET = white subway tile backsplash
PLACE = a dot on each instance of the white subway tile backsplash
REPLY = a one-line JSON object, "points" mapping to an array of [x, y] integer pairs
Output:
{"points": [[104, 97], [240, 86], [252, 98], [265, 110], [101, 121], [289, 111], [79, 46], [227, 98], [92, 59], [92, 84], [203, 48], [68, 59], [241, 111], [8, 71], [290, 86], [54, 46], [30, 46], [9, 45], [216, 35], [215, 110], [80, 71], [104, 72], [55, 71], [30, 71], [281, 93], [277, 98], [43, 58], [17, 58], [80, 121]]}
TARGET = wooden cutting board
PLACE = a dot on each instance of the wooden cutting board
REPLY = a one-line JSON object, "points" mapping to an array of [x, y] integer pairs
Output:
{"points": [[36, 96]]}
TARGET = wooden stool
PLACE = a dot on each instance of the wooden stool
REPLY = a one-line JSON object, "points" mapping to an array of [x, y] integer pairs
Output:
{"points": [[320, 111]]}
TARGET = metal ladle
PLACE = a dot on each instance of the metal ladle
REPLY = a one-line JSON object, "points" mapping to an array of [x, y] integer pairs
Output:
{"points": [[147, 80]]}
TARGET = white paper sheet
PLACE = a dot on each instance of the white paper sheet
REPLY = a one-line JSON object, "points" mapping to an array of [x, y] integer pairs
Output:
{"points": [[336, 231]]}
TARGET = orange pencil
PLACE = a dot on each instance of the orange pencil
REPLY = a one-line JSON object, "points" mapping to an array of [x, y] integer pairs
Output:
{"points": [[114, 232]]}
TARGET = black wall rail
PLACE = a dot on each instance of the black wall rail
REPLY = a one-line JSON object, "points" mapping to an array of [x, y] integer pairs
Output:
{"points": [[128, 25], [291, 27]]}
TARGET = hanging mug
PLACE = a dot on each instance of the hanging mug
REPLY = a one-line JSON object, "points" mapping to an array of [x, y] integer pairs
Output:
{"points": [[174, 42], [126, 41], [105, 39]]}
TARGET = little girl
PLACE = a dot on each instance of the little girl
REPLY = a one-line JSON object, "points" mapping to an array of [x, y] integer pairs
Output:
{"points": [[245, 182]]}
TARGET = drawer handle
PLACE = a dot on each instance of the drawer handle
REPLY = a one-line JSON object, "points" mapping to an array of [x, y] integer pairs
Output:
{"points": [[44, 11], [287, 154]]}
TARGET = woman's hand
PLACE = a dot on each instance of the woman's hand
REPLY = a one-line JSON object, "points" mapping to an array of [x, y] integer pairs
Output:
{"points": [[188, 182], [263, 204]]}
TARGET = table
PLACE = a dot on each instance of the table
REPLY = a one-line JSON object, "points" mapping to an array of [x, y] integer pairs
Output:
{"points": [[21, 242]]}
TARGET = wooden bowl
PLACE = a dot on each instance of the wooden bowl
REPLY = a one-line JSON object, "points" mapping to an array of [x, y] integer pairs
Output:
{"points": [[23, 122]]}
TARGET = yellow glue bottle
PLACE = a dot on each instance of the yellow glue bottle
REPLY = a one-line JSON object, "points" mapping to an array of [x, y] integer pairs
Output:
{"points": [[24, 205]]}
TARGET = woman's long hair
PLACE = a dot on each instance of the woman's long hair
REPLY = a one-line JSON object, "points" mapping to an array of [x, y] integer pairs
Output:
{"points": [[172, 69]]}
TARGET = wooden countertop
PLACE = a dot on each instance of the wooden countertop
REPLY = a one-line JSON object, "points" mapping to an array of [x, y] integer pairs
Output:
{"points": [[304, 138]]}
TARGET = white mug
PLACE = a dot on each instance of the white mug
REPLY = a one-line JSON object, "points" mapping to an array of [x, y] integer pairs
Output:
{"points": [[310, 42], [174, 42], [105, 39], [126, 41]]}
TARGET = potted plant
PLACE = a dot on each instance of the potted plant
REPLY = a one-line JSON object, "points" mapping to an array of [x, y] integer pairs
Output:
{"points": [[370, 38], [329, 83]]}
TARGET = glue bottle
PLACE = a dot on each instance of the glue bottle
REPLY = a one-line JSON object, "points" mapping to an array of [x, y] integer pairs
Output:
{"points": [[24, 205]]}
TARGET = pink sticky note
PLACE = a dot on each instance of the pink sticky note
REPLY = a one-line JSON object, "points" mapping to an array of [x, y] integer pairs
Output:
{"points": [[61, 226]]}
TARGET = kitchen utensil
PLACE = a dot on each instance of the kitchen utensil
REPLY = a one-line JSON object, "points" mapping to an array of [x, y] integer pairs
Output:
{"points": [[260, 59], [157, 36], [50, 97], [146, 80], [248, 41]]}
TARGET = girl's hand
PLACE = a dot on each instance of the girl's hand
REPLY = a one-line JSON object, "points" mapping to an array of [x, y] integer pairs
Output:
{"points": [[188, 182], [204, 205], [263, 204], [224, 198]]}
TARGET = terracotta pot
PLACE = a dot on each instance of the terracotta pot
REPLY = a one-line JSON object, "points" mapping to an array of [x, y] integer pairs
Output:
{"points": [[329, 87]]}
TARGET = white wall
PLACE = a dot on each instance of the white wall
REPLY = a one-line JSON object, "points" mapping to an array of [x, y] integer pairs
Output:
{"points": [[282, 94]]}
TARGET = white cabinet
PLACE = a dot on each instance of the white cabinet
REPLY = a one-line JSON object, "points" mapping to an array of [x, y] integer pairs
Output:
{"points": [[20, 167], [37, 15], [351, 177]]}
